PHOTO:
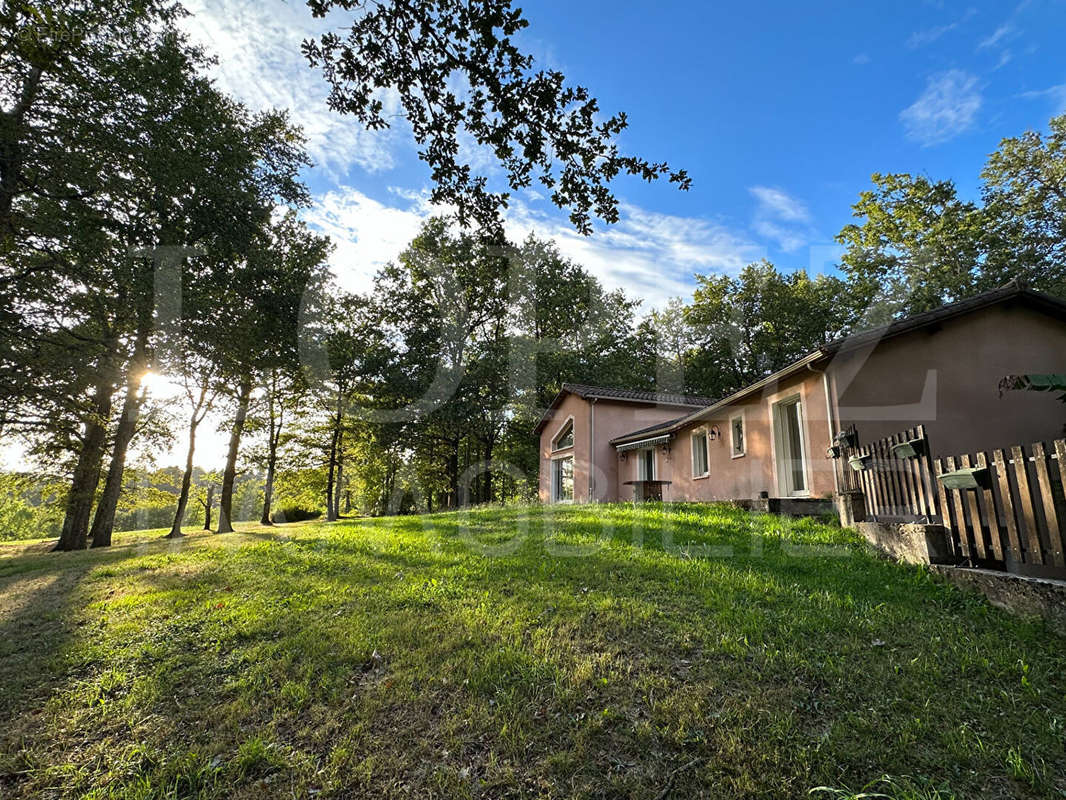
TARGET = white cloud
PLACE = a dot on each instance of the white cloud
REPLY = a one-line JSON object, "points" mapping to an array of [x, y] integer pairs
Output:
{"points": [[258, 47], [781, 218], [929, 35], [861, 58], [367, 233], [779, 203], [947, 108], [650, 255]]}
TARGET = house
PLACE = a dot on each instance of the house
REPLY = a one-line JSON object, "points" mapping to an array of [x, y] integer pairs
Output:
{"points": [[771, 439], [577, 459]]}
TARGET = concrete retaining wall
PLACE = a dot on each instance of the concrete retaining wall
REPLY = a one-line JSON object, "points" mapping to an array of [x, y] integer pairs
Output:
{"points": [[1037, 597], [913, 542]]}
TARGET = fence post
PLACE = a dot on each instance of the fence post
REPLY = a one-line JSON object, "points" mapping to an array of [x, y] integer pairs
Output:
{"points": [[1028, 515], [1054, 533]]}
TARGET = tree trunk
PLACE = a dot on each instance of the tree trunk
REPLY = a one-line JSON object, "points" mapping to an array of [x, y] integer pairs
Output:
{"points": [[486, 486], [207, 507], [104, 520], [268, 490], [229, 475], [273, 437], [75, 533], [331, 515], [340, 475], [13, 128], [186, 481], [452, 470], [332, 477]]}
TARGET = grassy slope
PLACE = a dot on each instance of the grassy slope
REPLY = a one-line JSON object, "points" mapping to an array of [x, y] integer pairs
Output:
{"points": [[402, 658]]}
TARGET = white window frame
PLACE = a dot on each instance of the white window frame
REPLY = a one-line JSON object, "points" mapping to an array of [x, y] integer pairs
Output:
{"points": [[744, 433], [552, 489], [706, 452], [641, 463], [559, 432]]}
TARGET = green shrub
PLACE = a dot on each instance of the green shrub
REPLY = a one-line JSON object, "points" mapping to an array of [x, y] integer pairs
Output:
{"points": [[295, 514]]}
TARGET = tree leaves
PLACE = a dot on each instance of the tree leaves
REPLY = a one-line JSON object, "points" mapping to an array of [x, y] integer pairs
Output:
{"points": [[459, 75]]}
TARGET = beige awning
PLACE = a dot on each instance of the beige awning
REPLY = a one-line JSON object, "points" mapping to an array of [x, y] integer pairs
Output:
{"points": [[642, 443]]}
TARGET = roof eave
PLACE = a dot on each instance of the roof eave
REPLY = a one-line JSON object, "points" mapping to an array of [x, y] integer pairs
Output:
{"points": [[702, 413]]}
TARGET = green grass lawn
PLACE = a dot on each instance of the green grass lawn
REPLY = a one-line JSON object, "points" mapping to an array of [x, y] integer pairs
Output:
{"points": [[582, 652]]}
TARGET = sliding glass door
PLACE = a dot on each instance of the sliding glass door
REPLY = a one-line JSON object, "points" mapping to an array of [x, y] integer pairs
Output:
{"points": [[790, 448]]}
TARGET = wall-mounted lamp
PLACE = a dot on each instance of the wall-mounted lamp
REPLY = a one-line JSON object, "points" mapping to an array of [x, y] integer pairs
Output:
{"points": [[714, 433], [847, 438]]}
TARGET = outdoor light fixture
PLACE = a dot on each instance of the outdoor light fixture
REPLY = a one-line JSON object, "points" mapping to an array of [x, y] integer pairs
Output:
{"points": [[714, 433], [908, 449], [859, 462], [847, 438], [967, 478]]}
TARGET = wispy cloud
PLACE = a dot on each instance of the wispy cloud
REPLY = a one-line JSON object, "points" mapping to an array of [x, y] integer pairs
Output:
{"points": [[258, 45], [927, 36], [1056, 94], [947, 108], [779, 203], [650, 255], [781, 218], [998, 36], [861, 58]]}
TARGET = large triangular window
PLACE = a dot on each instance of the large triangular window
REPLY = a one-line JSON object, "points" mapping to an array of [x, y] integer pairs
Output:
{"points": [[565, 437]]}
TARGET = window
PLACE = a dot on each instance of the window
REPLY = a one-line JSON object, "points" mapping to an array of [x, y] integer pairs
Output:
{"points": [[565, 437], [699, 454], [563, 480], [646, 465], [736, 435]]}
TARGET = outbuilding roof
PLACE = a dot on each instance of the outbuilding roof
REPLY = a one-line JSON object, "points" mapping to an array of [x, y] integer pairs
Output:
{"points": [[587, 392]]}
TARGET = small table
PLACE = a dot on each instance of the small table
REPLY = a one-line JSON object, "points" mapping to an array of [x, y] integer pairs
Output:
{"points": [[647, 491]]}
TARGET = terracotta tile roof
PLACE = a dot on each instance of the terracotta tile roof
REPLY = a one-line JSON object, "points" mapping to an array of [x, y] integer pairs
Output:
{"points": [[587, 392], [662, 398]]}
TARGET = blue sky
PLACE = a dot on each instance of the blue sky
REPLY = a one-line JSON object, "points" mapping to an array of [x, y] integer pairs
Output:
{"points": [[780, 112]]}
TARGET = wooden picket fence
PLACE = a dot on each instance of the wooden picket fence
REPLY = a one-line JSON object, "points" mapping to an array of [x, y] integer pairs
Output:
{"points": [[895, 489], [1016, 517], [1014, 520]]}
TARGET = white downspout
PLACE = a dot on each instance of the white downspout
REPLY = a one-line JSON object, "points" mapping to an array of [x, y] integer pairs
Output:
{"points": [[592, 448]]}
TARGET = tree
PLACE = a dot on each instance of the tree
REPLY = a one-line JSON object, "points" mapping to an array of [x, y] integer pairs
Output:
{"points": [[536, 126], [747, 327], [55, 76], [263, 303], [198, 379], [1024, 194], [919, 246], [98, 212]]}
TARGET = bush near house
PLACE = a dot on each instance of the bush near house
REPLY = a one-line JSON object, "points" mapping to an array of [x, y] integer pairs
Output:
{"points": [[604, 651]]}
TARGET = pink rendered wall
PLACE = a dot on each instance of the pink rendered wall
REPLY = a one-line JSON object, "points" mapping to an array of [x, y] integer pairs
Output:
{"points": [[608, 419], [746, 476], [947, 378]]}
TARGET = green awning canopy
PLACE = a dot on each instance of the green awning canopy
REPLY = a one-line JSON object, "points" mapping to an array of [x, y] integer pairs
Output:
{"points": [[1035, 383]]}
